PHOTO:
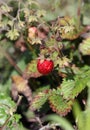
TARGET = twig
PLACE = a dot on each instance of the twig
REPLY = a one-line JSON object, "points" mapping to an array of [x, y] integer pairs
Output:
{"points": [[39, 121], [19, 100], [4, 125]]}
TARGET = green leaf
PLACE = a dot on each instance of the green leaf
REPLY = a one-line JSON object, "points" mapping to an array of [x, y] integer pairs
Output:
{"points": [[39, 100], [32, 19], [61, 121], [70, 28], [41, 13], [12, 34], [3, 23], [58, 103], [83, 120], [14, 119], [5, 100], [71, 88], [67, 87], [7, 108], [3, 115], [31, 67], [35, 41], [84, 47], [81, 81], [42, 88]]}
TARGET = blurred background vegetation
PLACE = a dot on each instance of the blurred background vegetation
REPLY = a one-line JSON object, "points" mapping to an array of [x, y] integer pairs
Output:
{"points": [[54, 9]]}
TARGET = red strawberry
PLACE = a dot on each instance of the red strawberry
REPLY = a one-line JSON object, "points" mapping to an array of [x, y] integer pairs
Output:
{"points": [[45, 66]]}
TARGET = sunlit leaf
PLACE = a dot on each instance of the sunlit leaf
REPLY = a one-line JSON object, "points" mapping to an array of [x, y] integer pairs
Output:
{"points": [[32, 18], [12, 34], [84, 47], [69, 28], [41, 13]]}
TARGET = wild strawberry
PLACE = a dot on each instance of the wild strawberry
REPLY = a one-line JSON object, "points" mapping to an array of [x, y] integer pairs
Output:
{"points": [[45, 66], [32, 32]]}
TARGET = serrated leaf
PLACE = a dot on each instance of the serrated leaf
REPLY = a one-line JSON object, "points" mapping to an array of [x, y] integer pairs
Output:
{"points": [[21, 24], [12, 34], [32, 66], [32, 19], [59, 104], [84, 47], [72, 34], [42, 88], [15, 119], [3, 115], [39, 100], [7, 107], [69, 28], [71, 88], [31, 69], [41, 13], [67, 87], [81, 81], [36, 41], [4, 100]]}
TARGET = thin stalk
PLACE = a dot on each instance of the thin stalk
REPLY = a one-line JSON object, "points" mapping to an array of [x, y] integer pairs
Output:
{"points": [[4, 125]]}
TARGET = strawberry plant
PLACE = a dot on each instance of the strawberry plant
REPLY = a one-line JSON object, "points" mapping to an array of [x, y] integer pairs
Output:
{"points": [[44, 65]]}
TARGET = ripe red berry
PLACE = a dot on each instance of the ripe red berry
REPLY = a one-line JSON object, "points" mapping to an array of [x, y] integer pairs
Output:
{"points": [[45, 66]]}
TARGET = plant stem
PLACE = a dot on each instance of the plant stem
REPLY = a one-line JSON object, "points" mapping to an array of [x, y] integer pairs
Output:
{"points": [[4, 125], [19, 100], [11, 61]]}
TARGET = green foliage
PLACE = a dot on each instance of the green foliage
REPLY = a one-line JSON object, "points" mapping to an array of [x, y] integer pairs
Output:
{"points": [[58, 104], [62, 98], [85, 47], [31, 67], [7, 112], [71, 88], [64, 123], [28, 32], [66, 88], [39, 100], [70, 28], [82, 117], [12, 34]]}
